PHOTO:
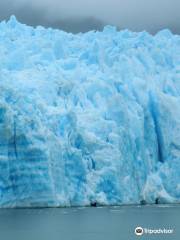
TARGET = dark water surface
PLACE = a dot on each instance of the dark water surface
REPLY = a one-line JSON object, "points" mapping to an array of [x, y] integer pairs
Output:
{"points": [[106, 223]]}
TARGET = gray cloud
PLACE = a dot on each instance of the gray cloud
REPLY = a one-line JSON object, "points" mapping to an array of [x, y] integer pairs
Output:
{"points": [[81, 15]]}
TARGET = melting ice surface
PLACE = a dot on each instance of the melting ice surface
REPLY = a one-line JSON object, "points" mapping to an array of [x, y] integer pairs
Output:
{"points": [[91, 117]]}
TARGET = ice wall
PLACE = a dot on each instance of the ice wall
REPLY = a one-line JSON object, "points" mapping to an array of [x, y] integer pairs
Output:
{"points": [[91, 117]]}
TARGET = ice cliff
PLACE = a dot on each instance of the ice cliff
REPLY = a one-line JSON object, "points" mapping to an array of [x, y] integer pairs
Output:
{"points": [[92, 117]]}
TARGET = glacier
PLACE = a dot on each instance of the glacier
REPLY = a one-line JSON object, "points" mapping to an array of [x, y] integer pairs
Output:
{"points": [[88, 118]]}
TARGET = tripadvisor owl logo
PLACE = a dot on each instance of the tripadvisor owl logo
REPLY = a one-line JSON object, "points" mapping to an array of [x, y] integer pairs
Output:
{"points": [[139, 231]]}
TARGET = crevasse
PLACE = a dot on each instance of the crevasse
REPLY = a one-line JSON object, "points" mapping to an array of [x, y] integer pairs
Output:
{"points": [[92, 117]]}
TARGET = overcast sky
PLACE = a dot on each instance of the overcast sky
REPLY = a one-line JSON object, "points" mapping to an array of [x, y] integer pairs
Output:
{"points": [[84, 15]]}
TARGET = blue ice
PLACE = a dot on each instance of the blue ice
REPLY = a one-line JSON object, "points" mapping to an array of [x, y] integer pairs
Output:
{"points": [[88, 117]]}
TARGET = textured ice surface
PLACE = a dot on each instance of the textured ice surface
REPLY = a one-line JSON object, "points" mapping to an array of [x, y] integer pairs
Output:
{"points": [[88, 117]]}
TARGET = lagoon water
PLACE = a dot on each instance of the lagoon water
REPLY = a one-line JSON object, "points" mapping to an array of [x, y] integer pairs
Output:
{"points": [[101, 223]]}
